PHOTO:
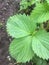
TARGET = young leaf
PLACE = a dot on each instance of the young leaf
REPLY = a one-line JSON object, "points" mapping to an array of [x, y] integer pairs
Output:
{"points": [[40, 44], [41, 13], [20, 26], [21, 49]]}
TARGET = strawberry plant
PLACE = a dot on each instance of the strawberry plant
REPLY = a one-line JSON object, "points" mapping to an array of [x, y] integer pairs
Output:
{"points": [[30, 37]]}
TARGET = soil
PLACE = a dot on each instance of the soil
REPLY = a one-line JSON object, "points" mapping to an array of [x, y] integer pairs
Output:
{"points": [[7, 8]]}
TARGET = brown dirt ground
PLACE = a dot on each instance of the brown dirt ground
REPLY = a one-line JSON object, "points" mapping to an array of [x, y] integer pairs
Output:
{"points": [[7, 8]]}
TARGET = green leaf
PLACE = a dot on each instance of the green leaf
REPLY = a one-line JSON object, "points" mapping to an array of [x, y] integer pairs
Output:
{"points": [[47, 1], [21, 49], [25, 3], [40, 13], [41, 62], [20, 26], [40, 44]]}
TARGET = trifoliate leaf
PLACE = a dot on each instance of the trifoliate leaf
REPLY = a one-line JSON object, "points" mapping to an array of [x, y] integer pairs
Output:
{"points": [[21, 49], [20, 26], [40, 44], [40, 13]]}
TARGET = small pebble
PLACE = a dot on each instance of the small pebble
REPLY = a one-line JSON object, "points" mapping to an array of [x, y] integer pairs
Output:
{"points": [[8, 57]]}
